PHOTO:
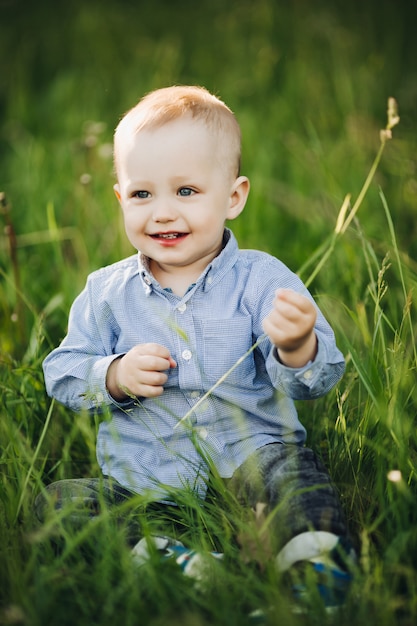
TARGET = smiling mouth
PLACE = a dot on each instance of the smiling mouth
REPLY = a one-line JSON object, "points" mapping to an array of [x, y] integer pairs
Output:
{"points": [[168, 235]]}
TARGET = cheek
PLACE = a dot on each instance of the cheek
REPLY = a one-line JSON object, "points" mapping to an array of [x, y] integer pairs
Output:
{"points": [[134, 233], [133, 220], [211, 218]]}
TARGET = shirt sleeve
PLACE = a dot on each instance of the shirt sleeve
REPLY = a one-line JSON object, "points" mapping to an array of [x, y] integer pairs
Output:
{"points": [[317, 377], [75, 372], [313, 380]]}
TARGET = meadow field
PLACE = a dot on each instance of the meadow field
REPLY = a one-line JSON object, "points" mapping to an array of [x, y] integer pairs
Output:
{"points": [[332, 196]]}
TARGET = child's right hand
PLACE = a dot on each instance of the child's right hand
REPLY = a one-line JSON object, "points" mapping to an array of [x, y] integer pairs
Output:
{"points": [[140, 372]]}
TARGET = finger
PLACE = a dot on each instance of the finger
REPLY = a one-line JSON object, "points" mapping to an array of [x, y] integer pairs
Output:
{"points": [[295, 303], [284, 312], [152, 363], [294, 298], [147, 384], [152, 378], [153, 349], [148, 391], [156, 351]]}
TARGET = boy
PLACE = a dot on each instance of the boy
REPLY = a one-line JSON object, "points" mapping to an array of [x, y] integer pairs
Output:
{"points": [[150, 335]]}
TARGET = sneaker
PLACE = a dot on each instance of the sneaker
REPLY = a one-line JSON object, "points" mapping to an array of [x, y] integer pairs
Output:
{"points": [[192, 563], [313, 583], [320, 581], [164, 546], [319, 567]]}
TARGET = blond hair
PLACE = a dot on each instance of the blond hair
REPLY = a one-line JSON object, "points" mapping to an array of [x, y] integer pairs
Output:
{"points": [[164, 105]]}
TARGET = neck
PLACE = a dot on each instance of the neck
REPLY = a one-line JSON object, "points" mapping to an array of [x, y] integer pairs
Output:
{"points": [[178, 281]]}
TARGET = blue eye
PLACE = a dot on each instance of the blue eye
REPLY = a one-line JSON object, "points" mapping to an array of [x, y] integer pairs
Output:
{"points": [[185, 191], [141, 194]]}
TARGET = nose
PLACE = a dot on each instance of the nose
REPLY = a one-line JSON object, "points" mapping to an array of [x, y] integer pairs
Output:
{"points": [[163, 211]]}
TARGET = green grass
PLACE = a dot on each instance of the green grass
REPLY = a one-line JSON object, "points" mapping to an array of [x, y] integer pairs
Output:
{"points": [[309, 85]]}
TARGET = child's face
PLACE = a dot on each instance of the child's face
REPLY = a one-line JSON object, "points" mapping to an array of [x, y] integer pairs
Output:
{"points": [[176, 191]]}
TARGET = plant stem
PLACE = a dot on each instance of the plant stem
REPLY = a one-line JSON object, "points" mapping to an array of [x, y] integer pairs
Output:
{"points": [[35, 456], [343, 223], [11, 237], [220, 381]]}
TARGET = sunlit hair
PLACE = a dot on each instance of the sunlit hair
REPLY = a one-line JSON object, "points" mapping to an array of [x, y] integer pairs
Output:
{"points": [[164, 105]]}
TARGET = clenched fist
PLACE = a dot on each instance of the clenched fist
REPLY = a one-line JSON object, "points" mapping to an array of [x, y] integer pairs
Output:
{"points": [[290, 327], [140, 372]]}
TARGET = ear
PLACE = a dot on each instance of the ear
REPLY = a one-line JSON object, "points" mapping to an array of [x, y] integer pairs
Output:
{"points": [[238, 196], [116, 190]]}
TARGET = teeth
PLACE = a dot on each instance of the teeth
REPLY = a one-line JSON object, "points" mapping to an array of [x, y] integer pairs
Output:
{"points": [[169, 236]]}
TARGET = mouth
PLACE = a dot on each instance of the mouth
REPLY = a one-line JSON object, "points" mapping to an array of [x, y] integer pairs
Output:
{"points": [[168, 236]]}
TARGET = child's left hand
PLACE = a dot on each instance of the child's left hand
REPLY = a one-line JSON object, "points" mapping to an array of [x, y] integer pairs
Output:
{"points": [[290, 326]]}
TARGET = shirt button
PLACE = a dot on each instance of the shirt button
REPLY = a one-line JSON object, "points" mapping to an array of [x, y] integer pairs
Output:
{"points": [[203, 433], [99, 398], [194, 394], [308, 374], [182, 307], [186, 355]]}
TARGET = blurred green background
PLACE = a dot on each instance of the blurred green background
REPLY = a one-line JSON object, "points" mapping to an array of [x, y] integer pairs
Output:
{"points": [[308, 80]]}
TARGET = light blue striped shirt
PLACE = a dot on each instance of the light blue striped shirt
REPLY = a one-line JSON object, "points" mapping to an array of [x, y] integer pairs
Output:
{"points": [[206, 331]]}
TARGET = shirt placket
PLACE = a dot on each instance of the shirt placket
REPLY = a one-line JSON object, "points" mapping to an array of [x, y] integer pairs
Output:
{"points": [[189, 369]]}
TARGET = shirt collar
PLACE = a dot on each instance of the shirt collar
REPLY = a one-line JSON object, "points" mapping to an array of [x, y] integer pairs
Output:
{"points": [[212, 273]]}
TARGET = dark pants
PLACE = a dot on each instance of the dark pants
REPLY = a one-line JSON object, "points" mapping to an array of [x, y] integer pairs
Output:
{"points": [[295, 487], [286, 484]]}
